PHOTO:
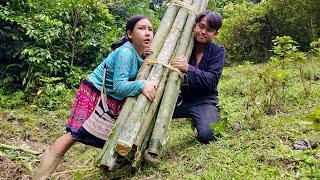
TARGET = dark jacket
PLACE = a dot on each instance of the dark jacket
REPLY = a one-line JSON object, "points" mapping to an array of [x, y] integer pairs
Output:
{"points": [[200, 84]]}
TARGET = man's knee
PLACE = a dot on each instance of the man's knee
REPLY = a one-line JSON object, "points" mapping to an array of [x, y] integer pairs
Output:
{"points": [[205, 136]]}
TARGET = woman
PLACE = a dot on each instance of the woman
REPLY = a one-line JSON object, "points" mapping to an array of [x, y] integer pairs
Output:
{"points": [[122, 67]]}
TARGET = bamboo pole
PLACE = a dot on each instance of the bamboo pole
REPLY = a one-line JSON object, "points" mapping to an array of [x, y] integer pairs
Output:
{"points": [[159, 39], [142, 148], [107, 157], [130, 131], [17, 148], [190, 46], [149, 117], [151, 111], [159, 136]]}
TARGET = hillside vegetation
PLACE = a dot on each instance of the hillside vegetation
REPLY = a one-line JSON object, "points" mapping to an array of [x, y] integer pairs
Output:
{"points": [[269, 91]]}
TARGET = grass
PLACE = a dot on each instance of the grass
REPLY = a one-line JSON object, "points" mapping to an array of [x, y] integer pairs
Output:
{"points": [[253, 146]]}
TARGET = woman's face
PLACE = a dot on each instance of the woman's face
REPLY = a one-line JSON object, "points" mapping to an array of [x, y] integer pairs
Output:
{"points": [[142, 34], [202, 31]]}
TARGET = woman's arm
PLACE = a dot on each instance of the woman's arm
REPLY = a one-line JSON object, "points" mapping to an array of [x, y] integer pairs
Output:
{"points": [[121, 84]]}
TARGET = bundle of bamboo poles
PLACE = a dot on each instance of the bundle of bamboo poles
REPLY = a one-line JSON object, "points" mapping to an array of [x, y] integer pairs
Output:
{"points": [[142, 125]]}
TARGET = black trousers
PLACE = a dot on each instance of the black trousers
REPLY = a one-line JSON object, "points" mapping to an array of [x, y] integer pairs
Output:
{"points": [[202, 115]]}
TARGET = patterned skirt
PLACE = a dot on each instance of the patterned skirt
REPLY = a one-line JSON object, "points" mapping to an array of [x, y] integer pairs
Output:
{"points": [[87, 97]]}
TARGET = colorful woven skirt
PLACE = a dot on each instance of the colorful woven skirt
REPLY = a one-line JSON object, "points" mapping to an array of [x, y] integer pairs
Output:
{"points": [[87, 97]]}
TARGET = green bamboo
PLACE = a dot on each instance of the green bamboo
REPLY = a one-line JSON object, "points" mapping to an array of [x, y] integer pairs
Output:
{"points": [[204, 5], [108, 156], [190, 46], [151, 111], [17, 148], [157, 140], [130, 131], [159, 39], [142, 148], [169, 99]]}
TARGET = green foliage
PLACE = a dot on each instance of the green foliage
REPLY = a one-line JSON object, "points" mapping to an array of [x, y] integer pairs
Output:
{"points": [[222, 5], [314, 117], [220, 128], [315, 45], [249, 28], [75, 77], [284, 46], [245, 34], [50, 38], [270, 89], [60, 41], [53, 96], [14, 100], [123, 10]]}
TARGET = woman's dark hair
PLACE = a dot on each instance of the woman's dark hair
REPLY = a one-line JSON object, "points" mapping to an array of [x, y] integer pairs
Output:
{"points": [[129, 26], [214, 18]]}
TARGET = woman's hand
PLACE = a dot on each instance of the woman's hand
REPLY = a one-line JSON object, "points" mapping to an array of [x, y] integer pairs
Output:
{"points": [[181, 63], [147, 51], [150, 90]]}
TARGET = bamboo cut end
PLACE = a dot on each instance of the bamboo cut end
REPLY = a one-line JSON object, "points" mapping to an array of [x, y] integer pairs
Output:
{"points": [[122, 149], [102, 166], [154, 147], [150, 158]]}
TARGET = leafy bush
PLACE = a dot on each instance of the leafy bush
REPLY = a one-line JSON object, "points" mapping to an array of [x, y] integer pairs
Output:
{"points": [[49, 38], [53, 97], [272, 88], [12, 100], [50, 46], [248, 31], [315, 45]]}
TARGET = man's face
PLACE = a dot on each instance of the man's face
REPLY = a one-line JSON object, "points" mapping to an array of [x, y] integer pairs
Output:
{"points": [[202, 31]]}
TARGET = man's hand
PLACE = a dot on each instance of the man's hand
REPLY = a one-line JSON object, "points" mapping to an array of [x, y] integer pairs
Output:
{"points": [[180, 63]]}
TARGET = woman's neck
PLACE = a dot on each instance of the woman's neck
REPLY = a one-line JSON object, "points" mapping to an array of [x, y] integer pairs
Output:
{"points": [[140, 51]]}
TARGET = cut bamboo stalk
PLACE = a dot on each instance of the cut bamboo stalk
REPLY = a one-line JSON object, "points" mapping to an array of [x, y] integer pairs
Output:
{"points": [[142, 148], [151, 111], [190, 46], [157, 139], [204, 5], [130, 131], [159, 39], [108, 156], [169, 99], [17, 148]]}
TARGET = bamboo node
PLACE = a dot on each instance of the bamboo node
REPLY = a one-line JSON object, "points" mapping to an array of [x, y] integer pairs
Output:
{"points": [[188, 7], [153, 61]]}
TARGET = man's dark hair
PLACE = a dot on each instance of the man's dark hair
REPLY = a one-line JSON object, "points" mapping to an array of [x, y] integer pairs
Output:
{"points": [[214, 18]]}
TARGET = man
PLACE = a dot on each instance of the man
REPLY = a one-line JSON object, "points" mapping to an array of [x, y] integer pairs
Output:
{"points": [[199, 93]]}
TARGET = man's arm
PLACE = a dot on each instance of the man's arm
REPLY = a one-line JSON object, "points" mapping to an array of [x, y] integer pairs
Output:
{"points": [[209, 78]]}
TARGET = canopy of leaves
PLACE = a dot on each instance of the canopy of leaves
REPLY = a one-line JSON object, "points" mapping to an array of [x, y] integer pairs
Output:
{"points": [[249, 28]]}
